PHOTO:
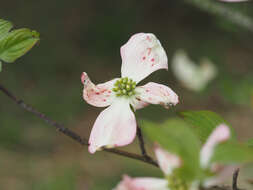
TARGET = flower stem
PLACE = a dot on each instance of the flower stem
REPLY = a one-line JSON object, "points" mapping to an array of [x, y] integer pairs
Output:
{"points": [[235, 177], [142, 144]]}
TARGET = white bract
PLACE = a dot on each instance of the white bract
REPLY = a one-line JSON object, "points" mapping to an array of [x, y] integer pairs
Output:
{"points": [[192, 76]]}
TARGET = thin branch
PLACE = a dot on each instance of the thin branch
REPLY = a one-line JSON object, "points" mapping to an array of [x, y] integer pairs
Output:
{"points": [[59, 127], [133, 156], [216, 8], [142, 144], [235, 177]]}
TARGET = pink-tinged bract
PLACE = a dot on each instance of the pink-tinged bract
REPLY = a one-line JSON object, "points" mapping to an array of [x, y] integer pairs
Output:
{"points": [[142, 183], [97, 95], [142, 55], [154, 93], [115, 126], [167, 161], [220, 134]]}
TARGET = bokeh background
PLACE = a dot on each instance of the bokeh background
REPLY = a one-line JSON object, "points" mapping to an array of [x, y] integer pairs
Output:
{"points": [[82, 35]]}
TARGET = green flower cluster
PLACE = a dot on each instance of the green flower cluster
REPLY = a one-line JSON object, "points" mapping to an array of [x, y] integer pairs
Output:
{"points": [[124, 87], [176, 183]]}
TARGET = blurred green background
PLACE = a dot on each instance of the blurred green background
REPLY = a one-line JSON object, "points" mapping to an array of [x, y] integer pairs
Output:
{"points": [[83, 35]]}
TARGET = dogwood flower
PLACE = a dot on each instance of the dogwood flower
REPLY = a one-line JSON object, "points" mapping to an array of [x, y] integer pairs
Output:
{"points": [[168, 162], [116, 125]]}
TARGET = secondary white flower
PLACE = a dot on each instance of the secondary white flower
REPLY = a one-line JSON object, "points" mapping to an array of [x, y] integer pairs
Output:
{"points": [[116, 125], [192, 76], [167, 163]]}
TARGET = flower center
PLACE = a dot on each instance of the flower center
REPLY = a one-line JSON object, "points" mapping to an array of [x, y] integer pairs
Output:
{"points": [[124, 87], [176, 183]]}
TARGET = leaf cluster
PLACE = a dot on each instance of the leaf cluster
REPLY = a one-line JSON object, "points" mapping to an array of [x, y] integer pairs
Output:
{"points": [[185, 135], [15, 43]]}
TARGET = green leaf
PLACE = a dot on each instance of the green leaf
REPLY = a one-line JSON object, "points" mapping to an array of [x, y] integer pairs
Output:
{"points": [[204, 122], [17, 43], [176, 137], [232, 152], [0, 66], [5, 27], [250, 142], [237, 90]]}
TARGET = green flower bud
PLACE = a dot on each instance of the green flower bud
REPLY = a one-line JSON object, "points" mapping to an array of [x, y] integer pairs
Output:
{"points": [[130, 93], [125, 80], [124, 87]]}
